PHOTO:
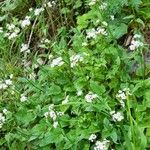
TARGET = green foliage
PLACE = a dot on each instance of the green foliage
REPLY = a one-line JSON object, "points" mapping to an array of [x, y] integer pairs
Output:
{"points": [[69, 72]]}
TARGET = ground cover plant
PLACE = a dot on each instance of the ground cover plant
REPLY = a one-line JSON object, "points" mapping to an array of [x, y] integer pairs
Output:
{"points": [[74, 75]]}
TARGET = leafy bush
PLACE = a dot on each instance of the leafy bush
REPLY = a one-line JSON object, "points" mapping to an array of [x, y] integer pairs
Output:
{"points": [[74, 75]]}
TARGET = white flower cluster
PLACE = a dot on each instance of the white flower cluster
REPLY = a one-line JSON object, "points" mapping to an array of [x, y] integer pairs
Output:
{"points": [[25, 48], [90, 97], [38, 11], [6, 83], [50, 4], [116, 116], [93, 2], [13, 31], [135, 43], [53, 115], [92, 137], [26, 22], [122, 95], [103, 6], [101, 145], [94, 32], [75, 59], [2, 119], [57, 62], [23, 98], [45, 41]]}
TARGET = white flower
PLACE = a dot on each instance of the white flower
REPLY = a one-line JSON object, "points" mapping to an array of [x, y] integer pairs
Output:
{"points": [[5, 111], [112, 17], [75, 59], [103, 6], [101, 31], [122, 103], [12, 35], [2, 120], [84, 44], [30, 9], [90, 97], [24, 48], [132, 47], [57, 62], [116, 116], [23, 98], [13, 31], [101, 145], [46, 114], [50, 56], [25, 22], [10, 26], [52, 114], [135, 43], [91, 33], [92, 137], [49, 4], [47, 41], [32, 76], [121, 95], [11, 76], [93, 2], [66, 100], [51, 107], [55, 124], [3, 86], [37, 11], [79, 93], [8, 82], [60, 113]]}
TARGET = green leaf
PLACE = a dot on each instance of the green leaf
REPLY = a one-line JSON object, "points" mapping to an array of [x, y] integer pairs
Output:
{"points": [[118, 30], [52, 136], [24, 116], [114, 136], [140, 21], [98, 89], [54, 90]]}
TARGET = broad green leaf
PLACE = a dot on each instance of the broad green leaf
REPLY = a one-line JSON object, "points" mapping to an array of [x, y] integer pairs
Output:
{"points": [[54, 90], [118, 30], [52, 136], [97, 88]]}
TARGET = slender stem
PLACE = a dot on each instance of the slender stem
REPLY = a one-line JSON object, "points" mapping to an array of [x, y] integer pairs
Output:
{"points": [[31, 33], [131, 120]]}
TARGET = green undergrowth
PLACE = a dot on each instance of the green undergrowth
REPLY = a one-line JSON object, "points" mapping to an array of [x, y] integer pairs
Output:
{"points": [[74, 75]]}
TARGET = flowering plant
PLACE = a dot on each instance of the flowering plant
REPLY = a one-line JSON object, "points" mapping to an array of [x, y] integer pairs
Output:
{"points": [[73, 75]]}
